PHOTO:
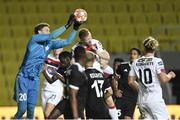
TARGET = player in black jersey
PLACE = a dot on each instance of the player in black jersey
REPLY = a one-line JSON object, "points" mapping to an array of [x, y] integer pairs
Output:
{"points": [[61, 108], [95, 106], [98, 91], [126, 100], [73, 104], [78, 83]]}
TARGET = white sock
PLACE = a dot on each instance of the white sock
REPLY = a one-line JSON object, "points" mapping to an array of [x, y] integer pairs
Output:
{"points": [[113, 113]]}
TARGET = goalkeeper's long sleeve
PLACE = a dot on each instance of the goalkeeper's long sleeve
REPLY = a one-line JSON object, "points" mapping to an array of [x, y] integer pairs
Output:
{"points": [[45, 37], [57, 32], [61, 43], [38, 48]]}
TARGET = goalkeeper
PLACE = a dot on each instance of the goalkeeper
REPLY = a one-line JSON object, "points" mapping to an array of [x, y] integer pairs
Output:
{"points": [[26, 85]]}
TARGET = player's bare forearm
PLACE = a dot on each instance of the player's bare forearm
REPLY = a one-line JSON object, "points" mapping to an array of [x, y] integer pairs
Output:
{"points": [[166, 77], [132, 83], [58, 76], [109, 101], [117, 92], [47, 77], [115, 83]]}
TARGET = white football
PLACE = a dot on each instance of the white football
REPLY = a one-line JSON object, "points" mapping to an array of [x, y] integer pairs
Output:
{"points": [[80, 15]]}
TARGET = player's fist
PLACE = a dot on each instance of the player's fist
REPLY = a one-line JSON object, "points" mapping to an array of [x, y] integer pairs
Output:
{"points": [[70, 21], [77, 24], [172, 74], [118, 93]]}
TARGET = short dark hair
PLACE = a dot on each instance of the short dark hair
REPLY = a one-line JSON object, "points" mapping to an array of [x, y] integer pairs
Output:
{"points": [[136, 49], [40, 26], [83, 32], [65, 55], [79, 53], [120, 60]]}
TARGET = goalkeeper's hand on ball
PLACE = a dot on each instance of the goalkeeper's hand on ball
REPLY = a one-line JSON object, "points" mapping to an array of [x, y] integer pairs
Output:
{"points": [[77, 24], [70, 21]]}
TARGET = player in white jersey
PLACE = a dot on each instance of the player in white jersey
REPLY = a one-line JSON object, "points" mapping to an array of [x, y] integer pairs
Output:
{"points": [[87, 41], [150, 73], [51, 93], [89, 44]]}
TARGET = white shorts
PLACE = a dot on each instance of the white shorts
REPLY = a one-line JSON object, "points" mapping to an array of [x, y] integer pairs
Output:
{"points": [[50, 97], [155, 110]]}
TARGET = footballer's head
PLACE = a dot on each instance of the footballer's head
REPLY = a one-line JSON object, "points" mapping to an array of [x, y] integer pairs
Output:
{"points": [[80, 55], [117, 62], [135, 53], [65, 59], [150, 44], [90, 58], [42, 28], [85, 36]]}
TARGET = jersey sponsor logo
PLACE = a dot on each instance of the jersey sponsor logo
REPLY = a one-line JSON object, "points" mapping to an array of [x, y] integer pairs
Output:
{"points": [[145, 60], [125, 70]]}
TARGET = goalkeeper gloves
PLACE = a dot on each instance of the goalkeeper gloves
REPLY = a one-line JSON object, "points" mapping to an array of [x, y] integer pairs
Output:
{"points": [[70, 21], [76, 25]]}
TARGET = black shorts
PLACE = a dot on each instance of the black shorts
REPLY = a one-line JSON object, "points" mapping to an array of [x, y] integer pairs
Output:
{"points": [[126, 107], [91, 114], [63, 107]]}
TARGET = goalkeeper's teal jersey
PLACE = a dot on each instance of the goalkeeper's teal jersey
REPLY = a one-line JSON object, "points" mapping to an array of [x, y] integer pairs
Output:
{"points": [[37, 50]]}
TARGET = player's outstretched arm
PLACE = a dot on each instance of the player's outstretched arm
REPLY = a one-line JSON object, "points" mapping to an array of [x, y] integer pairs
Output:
{"points": [[54, 34], [59, 31], [166, 77], [65, 42]]}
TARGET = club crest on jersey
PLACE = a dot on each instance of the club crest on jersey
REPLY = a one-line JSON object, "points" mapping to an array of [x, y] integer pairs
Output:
{"points": [[68, 72], [50, 71]]}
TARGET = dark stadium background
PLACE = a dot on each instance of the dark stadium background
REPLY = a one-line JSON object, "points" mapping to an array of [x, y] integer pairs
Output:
{"points": [[118, 24]]}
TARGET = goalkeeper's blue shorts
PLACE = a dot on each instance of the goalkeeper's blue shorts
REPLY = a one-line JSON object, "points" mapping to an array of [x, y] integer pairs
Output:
{"points": [[26, 90]]}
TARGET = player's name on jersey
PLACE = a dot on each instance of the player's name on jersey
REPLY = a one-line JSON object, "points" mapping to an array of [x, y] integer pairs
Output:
{"points": [[96, 75], [143, 64]]}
